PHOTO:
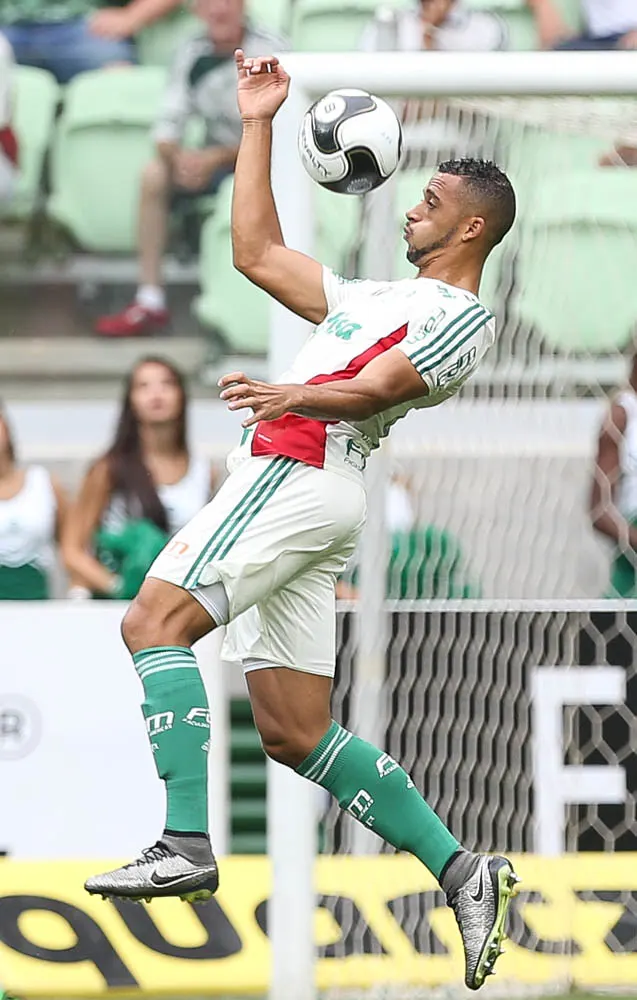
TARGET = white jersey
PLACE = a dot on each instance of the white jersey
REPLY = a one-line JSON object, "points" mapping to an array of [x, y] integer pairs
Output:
{"points": [[610, 17], [181, 500], [27, 523], [626, 498], [443, 330]]}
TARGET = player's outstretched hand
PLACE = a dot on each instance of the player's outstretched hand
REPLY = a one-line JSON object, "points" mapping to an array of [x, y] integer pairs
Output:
{"points": [[262, 86], [266, 401]]}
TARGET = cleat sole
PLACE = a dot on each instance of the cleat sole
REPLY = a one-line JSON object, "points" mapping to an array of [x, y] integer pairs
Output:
{"points": [[507, 889], [197, 896]]}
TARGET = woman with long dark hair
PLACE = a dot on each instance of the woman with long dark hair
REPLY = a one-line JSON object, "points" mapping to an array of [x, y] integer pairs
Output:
{"points": [[32, 510], [141, 491]]}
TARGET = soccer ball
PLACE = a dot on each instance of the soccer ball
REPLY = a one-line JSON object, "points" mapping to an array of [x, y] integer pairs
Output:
{"points": [[350, 141]]}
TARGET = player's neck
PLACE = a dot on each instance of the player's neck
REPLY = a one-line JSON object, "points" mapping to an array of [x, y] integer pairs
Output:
{"points": [[451, 272]]}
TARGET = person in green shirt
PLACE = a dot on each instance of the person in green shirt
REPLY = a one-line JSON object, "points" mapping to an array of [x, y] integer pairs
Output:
{"points": [[67, 37]]}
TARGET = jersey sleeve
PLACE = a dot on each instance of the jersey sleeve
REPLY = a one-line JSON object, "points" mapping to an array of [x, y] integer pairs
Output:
{"points": [[446, 345], [338, 289]]}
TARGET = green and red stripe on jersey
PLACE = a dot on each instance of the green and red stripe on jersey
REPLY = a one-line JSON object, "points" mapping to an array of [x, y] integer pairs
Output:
{"points": [[305, 438]]}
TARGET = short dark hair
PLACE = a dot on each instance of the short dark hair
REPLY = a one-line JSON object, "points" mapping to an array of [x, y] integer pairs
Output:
{"points": [[491, 189]]}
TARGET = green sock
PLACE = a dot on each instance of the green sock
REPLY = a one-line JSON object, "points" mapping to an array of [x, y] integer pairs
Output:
{"points": [[373, 788], [178, 724]]}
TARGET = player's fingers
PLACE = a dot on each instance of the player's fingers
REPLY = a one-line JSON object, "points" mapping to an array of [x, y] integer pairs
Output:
{"points": [[233, 377], [262, 64], [242, 403], [239, 59]]}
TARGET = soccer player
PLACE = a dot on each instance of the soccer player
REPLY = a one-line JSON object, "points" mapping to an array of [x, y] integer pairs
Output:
{"points": [[264, 554]]}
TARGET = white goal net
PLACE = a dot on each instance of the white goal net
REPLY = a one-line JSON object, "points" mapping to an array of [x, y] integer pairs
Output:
{"points": [[479, 516]]}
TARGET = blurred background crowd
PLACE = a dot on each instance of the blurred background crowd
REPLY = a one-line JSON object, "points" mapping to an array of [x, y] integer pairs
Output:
{"points": [[118, 137]]}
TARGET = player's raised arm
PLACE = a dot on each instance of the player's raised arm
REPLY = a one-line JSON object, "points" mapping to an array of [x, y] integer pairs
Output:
{"points": [[257, 241]]}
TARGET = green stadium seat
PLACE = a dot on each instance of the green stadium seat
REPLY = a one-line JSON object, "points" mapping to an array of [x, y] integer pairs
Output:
{"points": [[101, 145], [223, 287], [578, 259], [333, 25], [228, 302], [157, 43], [271, 14], [36, 98]]}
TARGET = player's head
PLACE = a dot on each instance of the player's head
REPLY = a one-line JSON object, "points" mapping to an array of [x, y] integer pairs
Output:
{"points": [[155, 400], [7, 447], [467, 208], [224, 20]]}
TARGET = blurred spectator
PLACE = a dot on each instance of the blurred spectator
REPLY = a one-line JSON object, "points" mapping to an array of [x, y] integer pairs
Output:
{"points": [[33, 508], [444, 25], [613, 501], [8, 142], [609, 24], [202, 86], [423, 561], [71, 36], [140, 492]]}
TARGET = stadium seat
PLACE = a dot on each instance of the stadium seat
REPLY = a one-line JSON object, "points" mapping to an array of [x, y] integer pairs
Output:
{"points": [[229, 302], [101, 145], [36, 99], [332, 25], [157, 43], [271, 14], [578, 260]]}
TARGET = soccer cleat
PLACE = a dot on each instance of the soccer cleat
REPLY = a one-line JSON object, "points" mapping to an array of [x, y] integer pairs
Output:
{"points": [[480, 905], [160, 871], [134, 321]]}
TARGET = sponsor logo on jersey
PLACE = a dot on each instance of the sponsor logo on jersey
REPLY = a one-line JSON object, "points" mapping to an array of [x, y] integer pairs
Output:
{"points": [[354, 455], [459, 369], [340, 325]]}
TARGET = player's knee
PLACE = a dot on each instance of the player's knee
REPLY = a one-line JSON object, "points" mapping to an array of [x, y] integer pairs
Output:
{"points": [[289, 747], [163, 615]]}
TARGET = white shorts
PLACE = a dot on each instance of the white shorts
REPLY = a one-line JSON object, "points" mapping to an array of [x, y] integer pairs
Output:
{"points": [[276, 535]]}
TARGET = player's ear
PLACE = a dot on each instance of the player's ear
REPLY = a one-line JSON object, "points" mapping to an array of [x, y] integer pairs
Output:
{"points": [[474, 227]]}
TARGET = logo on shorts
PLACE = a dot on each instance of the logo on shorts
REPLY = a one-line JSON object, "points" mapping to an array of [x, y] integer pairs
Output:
{"points": [[198, 717], [176, 547], [160, 723]]}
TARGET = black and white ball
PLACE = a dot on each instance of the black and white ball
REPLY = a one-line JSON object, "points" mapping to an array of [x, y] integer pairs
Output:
{"points": [[350, 141]]}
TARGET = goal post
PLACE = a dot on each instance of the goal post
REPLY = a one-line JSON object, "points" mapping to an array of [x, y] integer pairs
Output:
{"points": [[505, 468]]}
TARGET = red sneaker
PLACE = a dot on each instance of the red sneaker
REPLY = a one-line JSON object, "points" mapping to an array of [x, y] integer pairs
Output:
{"points": [[134, 321]]}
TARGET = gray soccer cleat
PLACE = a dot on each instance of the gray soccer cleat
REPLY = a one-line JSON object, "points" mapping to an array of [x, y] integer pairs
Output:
{"points": [[162, 871], [480, 905]]}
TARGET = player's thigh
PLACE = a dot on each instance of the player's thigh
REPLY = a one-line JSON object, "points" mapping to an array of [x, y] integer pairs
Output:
{"points": [[270, 522], [287, 646]]}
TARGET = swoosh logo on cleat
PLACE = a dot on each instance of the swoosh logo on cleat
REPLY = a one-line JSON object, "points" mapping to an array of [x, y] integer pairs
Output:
{"points": [[478, 896], [180, 879]]}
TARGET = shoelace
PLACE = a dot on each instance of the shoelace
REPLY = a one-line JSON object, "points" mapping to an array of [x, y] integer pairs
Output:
{"points": [[157, 852]]}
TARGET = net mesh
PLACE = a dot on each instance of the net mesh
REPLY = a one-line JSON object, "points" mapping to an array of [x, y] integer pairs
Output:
{"points": [[487, 497], [498, 480], [460, 702]]}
